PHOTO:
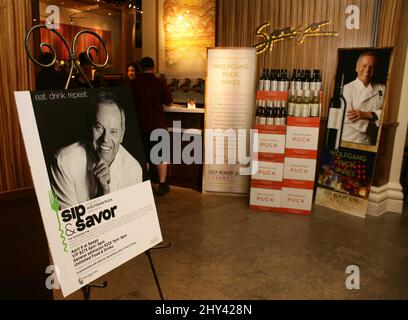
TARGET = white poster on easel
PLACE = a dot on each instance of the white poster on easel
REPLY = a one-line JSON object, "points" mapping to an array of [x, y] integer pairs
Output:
{"points": [[229, 105], [87, 165]]}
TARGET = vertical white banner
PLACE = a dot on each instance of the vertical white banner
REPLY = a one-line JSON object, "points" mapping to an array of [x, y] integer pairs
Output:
{"points": [[229, 105]]}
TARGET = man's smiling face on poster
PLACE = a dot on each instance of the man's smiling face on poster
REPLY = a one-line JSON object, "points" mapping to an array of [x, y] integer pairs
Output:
{"points": [[107, 131]]}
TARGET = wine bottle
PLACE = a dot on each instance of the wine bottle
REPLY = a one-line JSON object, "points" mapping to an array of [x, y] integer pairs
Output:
{"points": [[298, 80], [335, 119], [315, 104], [319, 81], [287, 81], [261, 85], [279, 120], [306, 80], [315, 80], [293, 80], [303, 78], [267, 82], [299, 103], [306, 104], [270, 120], [274, 80], [258, 112], [263, 116], [335, 122], [284, 113], [291, 102], [279, 78], [284, 80]]}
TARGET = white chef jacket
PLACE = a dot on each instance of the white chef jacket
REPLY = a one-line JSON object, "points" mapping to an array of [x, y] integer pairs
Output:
{"points": [[73, 175], [360, 97]]}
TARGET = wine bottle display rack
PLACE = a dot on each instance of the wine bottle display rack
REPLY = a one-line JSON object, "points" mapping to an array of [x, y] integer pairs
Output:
{"points": [[288, 121], [277, 97]]}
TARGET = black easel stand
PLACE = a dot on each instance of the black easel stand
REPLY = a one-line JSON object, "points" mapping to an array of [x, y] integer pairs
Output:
{"points": [[74, 65], [86, 290], [156, 279]]}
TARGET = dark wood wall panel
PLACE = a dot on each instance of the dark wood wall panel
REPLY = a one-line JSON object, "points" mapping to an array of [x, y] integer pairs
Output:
{"points": [[393, 33], [238, 19]]}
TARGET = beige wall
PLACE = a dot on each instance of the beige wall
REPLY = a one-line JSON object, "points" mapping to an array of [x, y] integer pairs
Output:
{"points": [[128, 52], [149, 25]]}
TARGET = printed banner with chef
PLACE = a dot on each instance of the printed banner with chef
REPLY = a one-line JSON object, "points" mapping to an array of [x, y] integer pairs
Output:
{"points": [[354, 127]]}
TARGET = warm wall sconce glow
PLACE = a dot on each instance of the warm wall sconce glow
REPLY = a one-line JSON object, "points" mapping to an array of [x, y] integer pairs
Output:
{"points": [[180, 26]]}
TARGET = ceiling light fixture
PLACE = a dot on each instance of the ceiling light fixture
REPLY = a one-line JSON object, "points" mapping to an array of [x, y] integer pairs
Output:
{"points": [[114, 4]]}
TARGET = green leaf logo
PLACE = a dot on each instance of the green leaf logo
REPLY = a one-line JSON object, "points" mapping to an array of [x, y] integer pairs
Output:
{"points": [[55, 207]]}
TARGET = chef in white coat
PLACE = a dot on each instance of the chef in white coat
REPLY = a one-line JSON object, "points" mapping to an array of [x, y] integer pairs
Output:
{"points": [[364, 102]]}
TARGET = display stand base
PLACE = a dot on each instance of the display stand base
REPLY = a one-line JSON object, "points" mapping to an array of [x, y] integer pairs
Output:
{"points": [[86, 290], [156, 279]]}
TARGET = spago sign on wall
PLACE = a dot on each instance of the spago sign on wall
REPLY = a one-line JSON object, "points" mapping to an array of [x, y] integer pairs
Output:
{"points": [[302, 32], [312, 30]]}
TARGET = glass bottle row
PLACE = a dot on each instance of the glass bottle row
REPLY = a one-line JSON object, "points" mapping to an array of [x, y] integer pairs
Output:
{"points": [[278, 80], [271, 113], [304, 103]]}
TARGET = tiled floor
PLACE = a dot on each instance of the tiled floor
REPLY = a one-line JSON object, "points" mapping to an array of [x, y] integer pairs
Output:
{"points": [[222, 250]]}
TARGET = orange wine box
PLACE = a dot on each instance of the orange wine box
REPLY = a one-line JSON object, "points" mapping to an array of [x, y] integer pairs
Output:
{"points": [[271, 171], [266, 183], [294, 200], [302, 133], [265, 199]]}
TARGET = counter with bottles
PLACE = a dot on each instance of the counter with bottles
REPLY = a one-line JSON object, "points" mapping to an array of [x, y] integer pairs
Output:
{"points": [[184, 89], [179, 108]]}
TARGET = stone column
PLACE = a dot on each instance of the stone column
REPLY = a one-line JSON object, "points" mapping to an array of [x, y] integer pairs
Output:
{"points": [[389, 197]]}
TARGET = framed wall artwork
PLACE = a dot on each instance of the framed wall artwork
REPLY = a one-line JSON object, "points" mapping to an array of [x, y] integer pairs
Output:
{"points": [[186, 30]]}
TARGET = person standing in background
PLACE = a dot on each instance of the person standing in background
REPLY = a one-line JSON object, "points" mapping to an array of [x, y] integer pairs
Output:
{"points": [[151, 93], [133, 70]]}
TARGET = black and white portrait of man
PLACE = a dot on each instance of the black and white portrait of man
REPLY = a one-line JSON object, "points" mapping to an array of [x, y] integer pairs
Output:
{"points": [[92, 159]]}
